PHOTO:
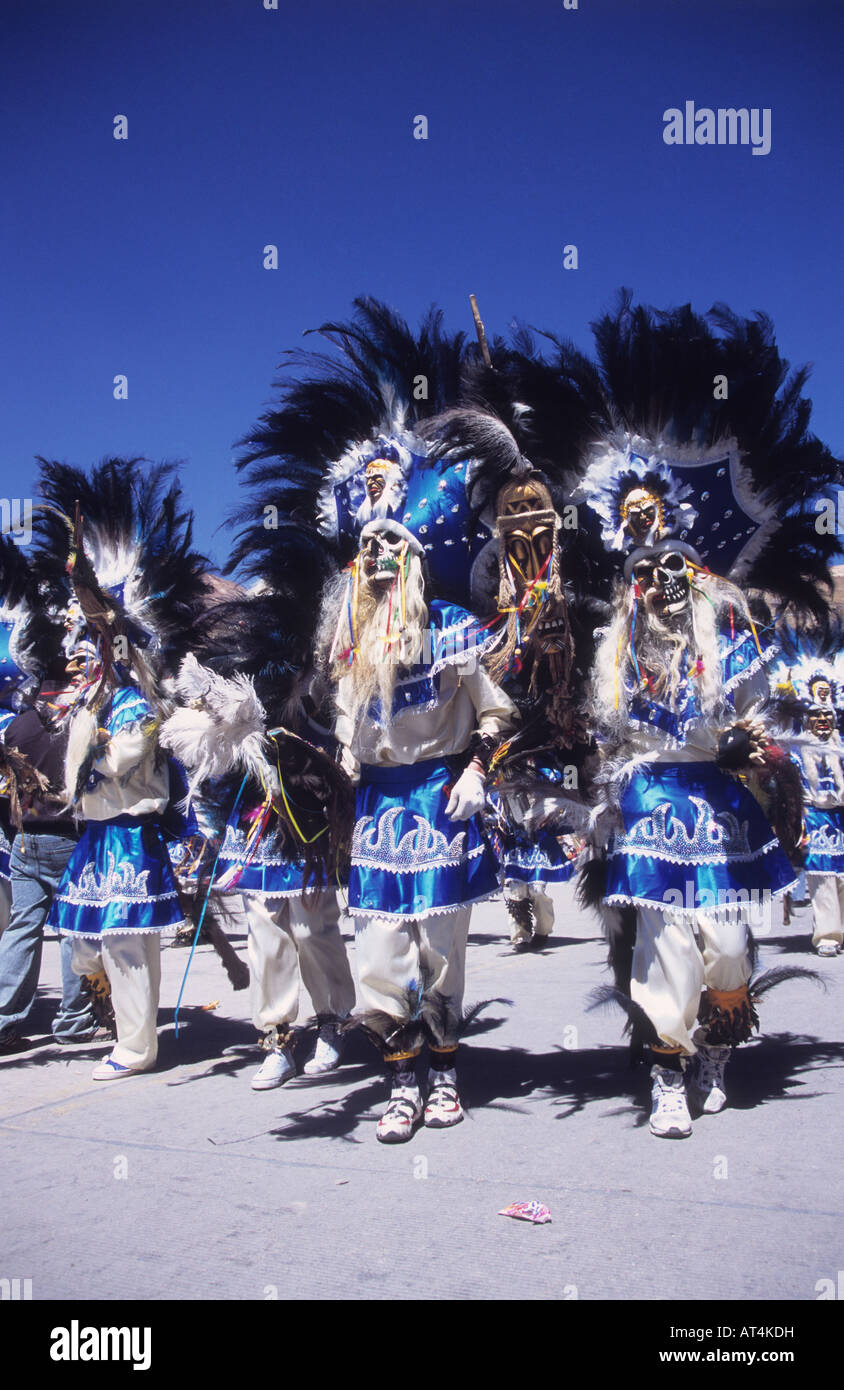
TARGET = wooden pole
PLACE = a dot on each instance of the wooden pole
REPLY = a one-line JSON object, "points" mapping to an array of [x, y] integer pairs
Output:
{"points": [[479, 329]]}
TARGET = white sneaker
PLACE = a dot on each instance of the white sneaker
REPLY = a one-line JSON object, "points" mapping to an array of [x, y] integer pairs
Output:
{"points": [[670, 1118], [706, 1078], [443, 1108], [401, 1117], [827, 948], [277, 1067], [327, 1053], [109, 1070]]}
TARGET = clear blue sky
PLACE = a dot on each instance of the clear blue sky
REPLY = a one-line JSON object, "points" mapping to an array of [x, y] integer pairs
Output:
{"points": [[294, 127]]}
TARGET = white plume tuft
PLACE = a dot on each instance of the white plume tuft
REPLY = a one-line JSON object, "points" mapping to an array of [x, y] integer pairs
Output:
{"points": [[218, 727]]}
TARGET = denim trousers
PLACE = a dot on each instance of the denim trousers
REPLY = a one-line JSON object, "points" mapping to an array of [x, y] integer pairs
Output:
{"points": [[37, 864]]}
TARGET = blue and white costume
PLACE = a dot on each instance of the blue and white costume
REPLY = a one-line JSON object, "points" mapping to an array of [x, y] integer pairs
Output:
{"points": [[290, 936], [696, 855], [416, 872], [693, 836], [119, 893], [821, 764], [119, 878], [409, 860]]}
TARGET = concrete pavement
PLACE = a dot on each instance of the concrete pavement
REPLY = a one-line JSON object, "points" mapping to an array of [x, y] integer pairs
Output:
{"points": [[186, 1184]]}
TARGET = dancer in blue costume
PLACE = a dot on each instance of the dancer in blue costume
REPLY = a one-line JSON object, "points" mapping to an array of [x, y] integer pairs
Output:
{"points": [[686, 485], [418, 719], [118, 893], [679, 686], [542, 631], [136, 588], [810, 701]]}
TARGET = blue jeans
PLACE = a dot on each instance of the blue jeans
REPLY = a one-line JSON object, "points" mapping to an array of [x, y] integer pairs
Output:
{"points": [[37, 865]]}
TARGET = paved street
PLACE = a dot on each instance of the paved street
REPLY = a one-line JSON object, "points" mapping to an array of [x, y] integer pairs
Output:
{"points": [[187, 1184]]}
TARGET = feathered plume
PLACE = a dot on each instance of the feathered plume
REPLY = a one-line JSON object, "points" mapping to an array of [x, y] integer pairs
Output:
{"points": [[218, 726]]}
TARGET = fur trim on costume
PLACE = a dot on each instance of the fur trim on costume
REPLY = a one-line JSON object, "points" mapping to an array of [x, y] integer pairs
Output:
{"points": [[445, 1022], [390, 1035], [21, 782], [79, 758], [218, 727], [730, 1016], [638, 1026]]}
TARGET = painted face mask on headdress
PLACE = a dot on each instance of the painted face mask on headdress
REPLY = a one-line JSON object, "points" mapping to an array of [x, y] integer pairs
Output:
{"points": [[820, 690], [822, 723], [384, 480], [642, 515]]}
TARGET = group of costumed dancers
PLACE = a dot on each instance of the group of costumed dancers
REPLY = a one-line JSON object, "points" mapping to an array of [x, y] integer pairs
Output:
{"points": [[507, 615]]}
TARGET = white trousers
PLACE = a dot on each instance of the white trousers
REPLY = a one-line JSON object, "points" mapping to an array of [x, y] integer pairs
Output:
{"points": [[673, 962], [288, 941], [827, 894], [397, 956], [133, 966], [516, 890]]}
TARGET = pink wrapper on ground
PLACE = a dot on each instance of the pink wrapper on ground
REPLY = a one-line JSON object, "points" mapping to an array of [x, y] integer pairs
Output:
{"points": [[527, 1211]]}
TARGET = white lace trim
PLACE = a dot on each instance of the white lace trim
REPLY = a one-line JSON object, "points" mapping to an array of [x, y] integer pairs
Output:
{"points": [[426, 912], [721, 912], [126, 931]]}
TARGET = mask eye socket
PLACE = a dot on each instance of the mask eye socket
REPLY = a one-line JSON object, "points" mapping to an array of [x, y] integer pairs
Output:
{"points": [[674, 562]]}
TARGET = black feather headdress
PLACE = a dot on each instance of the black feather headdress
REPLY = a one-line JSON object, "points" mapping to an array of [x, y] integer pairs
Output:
{"points": [[381, 379], [119, 538], [710, 399]]}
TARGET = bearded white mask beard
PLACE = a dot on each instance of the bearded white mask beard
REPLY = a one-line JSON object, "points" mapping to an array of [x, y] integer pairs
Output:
{"points": [[373, 673], [661, 646]]}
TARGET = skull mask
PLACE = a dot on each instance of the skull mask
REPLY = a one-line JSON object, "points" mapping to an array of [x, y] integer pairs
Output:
{"points": [[383, 545], [663, 580]]}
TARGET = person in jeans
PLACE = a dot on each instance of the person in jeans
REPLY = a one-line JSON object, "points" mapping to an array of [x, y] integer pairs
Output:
{"points": [[39, 855]]}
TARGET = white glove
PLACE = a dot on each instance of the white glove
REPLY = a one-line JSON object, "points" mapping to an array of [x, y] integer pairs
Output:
{"points": [[349, 764], [467, 795]]}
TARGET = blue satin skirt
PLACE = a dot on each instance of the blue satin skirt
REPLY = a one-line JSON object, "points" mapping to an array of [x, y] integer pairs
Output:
{"points": [[825, 829], [694, 840], [118, 879], [268, 871], [537, 859], [408, 859]]}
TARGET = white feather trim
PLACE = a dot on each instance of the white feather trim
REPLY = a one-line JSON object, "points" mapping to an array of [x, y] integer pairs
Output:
{"points": [[82, 739], [219, 726]]}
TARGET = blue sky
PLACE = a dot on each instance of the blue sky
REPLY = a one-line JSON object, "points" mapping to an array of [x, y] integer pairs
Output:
{"points": [[295, 127]]}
